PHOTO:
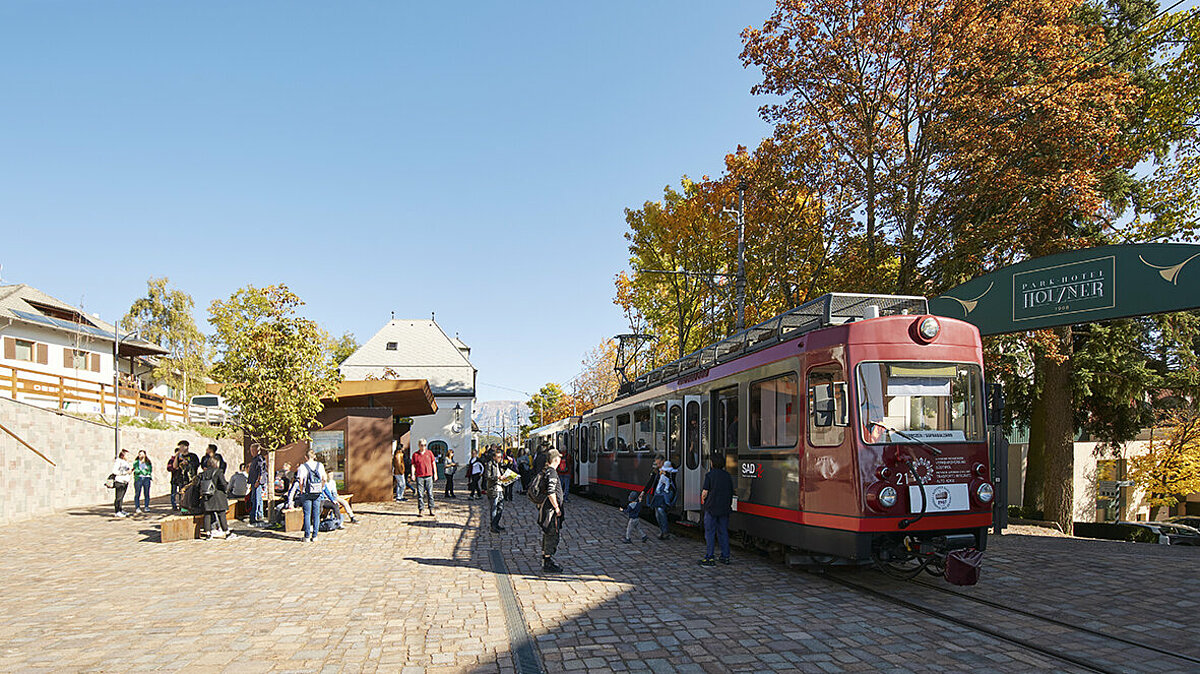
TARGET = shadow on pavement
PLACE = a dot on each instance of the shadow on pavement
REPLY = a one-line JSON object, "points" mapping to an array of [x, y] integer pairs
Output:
{"points": [[433, 524], [383, 512]]}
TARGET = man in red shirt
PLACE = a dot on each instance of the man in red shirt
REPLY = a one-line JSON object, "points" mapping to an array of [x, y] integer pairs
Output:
{"points": [[423, 472]]}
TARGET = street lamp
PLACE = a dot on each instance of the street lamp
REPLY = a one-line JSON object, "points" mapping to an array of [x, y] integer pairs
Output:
{"points": [[117, 339]]}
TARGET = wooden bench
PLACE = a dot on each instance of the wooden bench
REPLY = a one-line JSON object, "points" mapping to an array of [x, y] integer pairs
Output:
{"points": [[188, 526], [180, 528]]}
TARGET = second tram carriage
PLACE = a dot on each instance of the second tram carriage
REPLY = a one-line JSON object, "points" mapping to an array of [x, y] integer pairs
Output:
{"points": [[853, 426]]}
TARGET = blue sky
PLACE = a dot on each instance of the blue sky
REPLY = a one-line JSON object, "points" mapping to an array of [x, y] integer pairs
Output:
{"points": [[468, 159]]}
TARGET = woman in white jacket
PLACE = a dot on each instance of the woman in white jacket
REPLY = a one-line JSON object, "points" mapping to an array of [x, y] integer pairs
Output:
{"points": [[122, 474]]}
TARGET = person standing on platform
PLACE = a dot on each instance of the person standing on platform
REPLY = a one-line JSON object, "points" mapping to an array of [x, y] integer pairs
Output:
{"points": [[451, 468], [492, 471], [716, 500], [550, 515], [474, 472], [257, 477], [539, 459], [652, 494], [122, 473], [507, 464], [399, 470], [143, 472], [176, 468], [310, 481], [423, 470], [564, 474]]}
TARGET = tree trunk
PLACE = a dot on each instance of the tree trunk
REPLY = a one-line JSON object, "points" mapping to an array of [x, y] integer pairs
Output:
{"points": [[871, 209], [1035, 461], [1058, 491]]}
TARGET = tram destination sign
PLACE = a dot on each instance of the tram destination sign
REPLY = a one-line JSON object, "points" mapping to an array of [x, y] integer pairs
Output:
{"points": [[1083, 286]]}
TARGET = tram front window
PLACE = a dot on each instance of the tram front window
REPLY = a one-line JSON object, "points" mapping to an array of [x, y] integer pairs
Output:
{"points": [[930, 402]]}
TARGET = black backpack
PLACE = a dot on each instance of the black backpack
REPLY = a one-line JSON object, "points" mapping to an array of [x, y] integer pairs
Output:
{"points": [[208, 486], [537, 489]]}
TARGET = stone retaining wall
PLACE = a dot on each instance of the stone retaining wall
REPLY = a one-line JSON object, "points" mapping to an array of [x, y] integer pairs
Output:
{"points": [[83, 452]]}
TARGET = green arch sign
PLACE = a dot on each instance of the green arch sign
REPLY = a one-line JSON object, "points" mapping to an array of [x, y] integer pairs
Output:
{"points": [[1081, 286]]}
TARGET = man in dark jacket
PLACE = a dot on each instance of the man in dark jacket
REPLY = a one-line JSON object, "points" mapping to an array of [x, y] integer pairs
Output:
{"points": [[212, 450], [550, 512], [258, 484], [178, 468], [716, 500], [213, 500], [492, 471]]}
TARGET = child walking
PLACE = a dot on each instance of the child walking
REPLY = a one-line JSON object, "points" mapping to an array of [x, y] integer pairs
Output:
{"points": [[633, 510]]}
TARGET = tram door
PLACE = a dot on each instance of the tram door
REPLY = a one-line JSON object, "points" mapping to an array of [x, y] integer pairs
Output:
{"points": [[675, 443], [581, 455], [695, 425]]}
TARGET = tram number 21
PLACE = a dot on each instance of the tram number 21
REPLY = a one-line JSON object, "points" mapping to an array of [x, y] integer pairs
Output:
{"points": [[751, 469]]}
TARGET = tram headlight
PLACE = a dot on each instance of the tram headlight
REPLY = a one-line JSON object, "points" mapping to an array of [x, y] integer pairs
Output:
{"points": [[887, 497], [929, 328], [984, 492]]}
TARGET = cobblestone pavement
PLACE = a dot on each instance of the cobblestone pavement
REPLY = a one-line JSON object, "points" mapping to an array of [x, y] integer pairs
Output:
{"points": [[398, 593]]}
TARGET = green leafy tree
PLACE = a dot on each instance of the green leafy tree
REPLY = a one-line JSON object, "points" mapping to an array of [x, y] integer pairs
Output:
{"points": [[164, 317], [547, 405], [344, 347], [275, 365], [1170, 468]]}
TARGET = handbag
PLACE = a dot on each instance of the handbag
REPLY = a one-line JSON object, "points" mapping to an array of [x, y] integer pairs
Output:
{"points": [[111, 481]]}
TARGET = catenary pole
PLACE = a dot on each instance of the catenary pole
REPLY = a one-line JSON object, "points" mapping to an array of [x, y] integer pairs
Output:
{"points": [[741, 257]]}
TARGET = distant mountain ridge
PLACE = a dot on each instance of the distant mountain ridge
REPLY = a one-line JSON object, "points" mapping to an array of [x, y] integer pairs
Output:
{"points": [[491, 415]]}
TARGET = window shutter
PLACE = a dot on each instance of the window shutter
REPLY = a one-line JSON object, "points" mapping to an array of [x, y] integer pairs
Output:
{"points": [[43, 354], [95, 358], [69, 358], [10, 348]]}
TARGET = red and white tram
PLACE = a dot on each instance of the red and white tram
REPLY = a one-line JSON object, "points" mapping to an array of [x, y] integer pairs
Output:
{"points": [[853, 426]]}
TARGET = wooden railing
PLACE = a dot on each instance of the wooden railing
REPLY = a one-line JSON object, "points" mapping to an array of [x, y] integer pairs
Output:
{"points": [[67, 393]]}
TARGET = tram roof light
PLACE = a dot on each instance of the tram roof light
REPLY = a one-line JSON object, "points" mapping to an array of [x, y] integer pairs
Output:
{"points": [[929, 328]]}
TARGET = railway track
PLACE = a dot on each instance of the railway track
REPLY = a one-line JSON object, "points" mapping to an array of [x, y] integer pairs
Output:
{"points": [[1082, 647], [1079, 647]]}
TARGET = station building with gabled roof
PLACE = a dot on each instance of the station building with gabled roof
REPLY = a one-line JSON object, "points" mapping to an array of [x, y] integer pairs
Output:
{"points": [[408, 349]]}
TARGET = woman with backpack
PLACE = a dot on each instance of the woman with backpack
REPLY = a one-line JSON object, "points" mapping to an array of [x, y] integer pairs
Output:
{"points": [[310, 479], [213, 499], [122, 473]]}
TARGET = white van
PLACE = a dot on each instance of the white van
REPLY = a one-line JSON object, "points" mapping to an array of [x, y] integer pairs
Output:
{"points": [[210, 409]]}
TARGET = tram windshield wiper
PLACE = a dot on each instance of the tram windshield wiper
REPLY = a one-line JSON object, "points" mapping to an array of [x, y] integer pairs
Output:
{"points": [[919, 441]]}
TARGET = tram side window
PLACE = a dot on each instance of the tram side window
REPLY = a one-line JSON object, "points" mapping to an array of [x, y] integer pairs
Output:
{"points": [[725, 423], [828, 414], [660, 428], [675, 449], [583, 444], [610, 440], [773, 412], [624, 433], [642, 432]]}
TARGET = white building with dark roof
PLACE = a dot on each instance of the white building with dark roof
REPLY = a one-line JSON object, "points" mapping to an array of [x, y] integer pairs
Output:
{"points": [[420, 349]]}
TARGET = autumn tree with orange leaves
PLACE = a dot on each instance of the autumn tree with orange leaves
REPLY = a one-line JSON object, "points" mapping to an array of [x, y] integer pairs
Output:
{"points": [[974, 135]]}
